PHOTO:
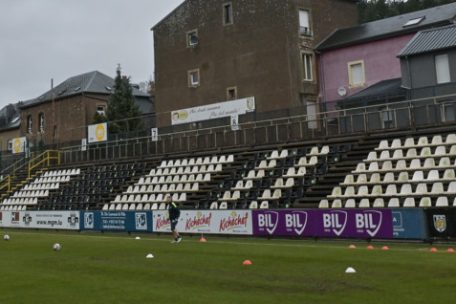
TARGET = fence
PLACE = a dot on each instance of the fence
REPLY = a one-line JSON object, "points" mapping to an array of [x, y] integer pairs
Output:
{"points": [[405, 115]]}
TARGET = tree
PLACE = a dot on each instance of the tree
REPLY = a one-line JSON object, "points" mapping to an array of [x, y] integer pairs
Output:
{"points": [[371, 10], [122, 113]]}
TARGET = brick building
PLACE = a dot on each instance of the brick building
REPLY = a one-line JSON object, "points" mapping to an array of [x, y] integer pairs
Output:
{"points": [[209, 51], [62, 114]]}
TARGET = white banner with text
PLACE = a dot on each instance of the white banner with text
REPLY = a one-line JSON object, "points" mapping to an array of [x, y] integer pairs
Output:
{"points": [[66, 220], [206, 221], [213, 111]]}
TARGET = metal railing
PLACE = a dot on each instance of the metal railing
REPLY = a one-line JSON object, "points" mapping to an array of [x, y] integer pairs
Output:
{"points": [[405, 115], [43, 159], [5, 184]]}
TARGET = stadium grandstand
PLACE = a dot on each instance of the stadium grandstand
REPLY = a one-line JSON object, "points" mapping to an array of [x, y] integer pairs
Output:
{"points": [[281, 164]]}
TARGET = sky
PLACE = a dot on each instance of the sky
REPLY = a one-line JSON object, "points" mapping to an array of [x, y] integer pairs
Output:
{"points": [[58, 39]]}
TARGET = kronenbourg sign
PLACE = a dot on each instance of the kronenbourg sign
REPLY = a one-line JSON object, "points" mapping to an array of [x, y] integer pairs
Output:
{"points": [[213, 111], [19, 145], [98, 132]]}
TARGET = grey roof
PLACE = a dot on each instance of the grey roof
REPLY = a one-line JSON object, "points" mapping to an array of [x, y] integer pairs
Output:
{"points": [[431, 40], [10, 117], [382, 91], [390, 27], [92, 82]]}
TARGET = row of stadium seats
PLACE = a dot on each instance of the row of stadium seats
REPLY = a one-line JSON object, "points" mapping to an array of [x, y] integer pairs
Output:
{"points": [[13, 208], [392, 190], [146, 198], [185, 170], [67, 172], [134, 207], [402, 177], [207, 160], [423, 141], [163, 188], [439, 151], [394, 202], [402, 165]]}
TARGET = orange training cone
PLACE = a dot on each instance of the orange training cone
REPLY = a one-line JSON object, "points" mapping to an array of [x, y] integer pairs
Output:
{"points": [[247, 262], [370, 247], [203, 239], [352, 246], [433, 249], [385, 248], [450, 250]]}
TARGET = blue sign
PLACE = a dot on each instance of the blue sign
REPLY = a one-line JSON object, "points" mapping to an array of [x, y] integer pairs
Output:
{"points": [[126, 221], [409, 224]]}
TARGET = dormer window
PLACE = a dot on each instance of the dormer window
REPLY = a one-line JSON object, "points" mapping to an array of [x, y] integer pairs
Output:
{"points": [[414, 21]]}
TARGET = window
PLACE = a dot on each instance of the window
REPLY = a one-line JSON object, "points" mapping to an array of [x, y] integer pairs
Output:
{"points": [[41, 122], [311, 114], [193, 78], [304, 23], [307, 66], [227, 13], [442, 68], [356, 73], [192, 38], [29, 124], [414, 21], [231, 93], [387, 117], [101, 110]]}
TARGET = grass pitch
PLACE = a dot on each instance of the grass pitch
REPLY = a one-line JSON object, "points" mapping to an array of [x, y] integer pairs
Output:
{"points": [[98, 268]]}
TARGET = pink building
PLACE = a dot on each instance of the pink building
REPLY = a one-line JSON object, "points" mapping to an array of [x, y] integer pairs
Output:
{"points": [[355, 61]]}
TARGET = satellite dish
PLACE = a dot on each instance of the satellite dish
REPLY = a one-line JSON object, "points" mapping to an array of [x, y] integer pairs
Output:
{"points": [[342, 91]]}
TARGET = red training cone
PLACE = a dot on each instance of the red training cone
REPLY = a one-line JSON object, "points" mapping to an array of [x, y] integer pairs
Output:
{"points": [[433, 249], [450, 250], [370, 247], [203, 239], [385, 248], [247, 262]]}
